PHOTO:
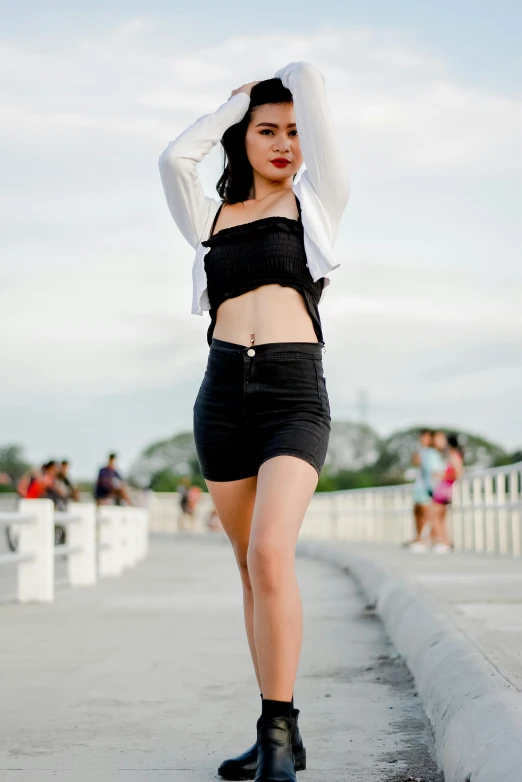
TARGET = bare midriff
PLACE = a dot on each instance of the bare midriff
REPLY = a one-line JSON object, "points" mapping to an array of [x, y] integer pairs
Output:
{"points": [[270, 313]]}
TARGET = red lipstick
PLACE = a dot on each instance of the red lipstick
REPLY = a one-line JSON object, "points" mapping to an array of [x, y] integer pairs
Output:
{"points": [[280, 162]]}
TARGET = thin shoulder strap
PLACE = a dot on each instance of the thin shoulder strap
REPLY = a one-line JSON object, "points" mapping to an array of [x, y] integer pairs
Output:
{"points": [[215, 219]]}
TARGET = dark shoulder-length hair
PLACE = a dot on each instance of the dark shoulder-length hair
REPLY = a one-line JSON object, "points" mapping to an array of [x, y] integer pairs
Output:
{"points": [[236, 182]]}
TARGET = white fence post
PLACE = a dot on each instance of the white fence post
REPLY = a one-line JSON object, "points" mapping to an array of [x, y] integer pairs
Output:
{"points": [[81, 564], [143, 533], [110, 559], [136, 532], [516, 515], [501, 520], [129, 523], [36, 577]]}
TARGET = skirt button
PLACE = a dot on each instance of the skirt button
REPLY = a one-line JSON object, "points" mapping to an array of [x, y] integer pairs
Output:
{"points": [[251, 352]]}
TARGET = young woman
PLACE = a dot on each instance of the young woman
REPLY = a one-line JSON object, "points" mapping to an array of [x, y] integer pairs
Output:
{"points": [[262, 415], [443, 493]]}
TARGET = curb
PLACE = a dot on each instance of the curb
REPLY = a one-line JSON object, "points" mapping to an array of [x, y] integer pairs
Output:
{"points": [[475, 714]]}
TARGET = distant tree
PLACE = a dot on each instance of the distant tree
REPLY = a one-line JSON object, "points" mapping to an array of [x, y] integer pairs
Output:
{"points": [[165, 480], [352, 446], [13, 462], [326, 481], [508, 458], [175, 457]]}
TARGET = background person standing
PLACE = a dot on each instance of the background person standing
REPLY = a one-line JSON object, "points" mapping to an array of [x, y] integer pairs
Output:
{"points": [[443, 494], [421, 494], [62, 477]]}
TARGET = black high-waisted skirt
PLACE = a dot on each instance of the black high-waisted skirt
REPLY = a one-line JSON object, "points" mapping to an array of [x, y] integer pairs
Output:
{"points": [[256, 403]]}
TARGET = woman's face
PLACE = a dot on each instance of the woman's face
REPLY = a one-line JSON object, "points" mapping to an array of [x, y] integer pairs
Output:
{"points": [[426, 439], [272, 134], [439, 441]]}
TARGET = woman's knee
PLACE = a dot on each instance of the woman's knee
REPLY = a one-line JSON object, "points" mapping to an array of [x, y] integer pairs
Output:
{"points": [[267, 563]]}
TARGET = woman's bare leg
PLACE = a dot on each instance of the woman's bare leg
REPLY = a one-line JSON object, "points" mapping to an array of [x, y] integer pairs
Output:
{"points": [[285, 485], [420, 519], [234, 503], [438, 520]]}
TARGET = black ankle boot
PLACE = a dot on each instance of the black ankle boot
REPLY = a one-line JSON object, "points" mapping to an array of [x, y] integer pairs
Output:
{"points": [[244, 766], [275, 759]]}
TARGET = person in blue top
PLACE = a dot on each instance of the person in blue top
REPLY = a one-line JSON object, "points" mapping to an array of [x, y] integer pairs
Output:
{"points": [[431, 463]]}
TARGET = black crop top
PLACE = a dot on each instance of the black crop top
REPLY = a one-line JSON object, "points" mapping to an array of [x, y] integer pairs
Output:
{"points": [[263, 252]]}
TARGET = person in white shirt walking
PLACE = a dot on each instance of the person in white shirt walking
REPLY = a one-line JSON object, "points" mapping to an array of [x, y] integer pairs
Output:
{"points": [[262, 416]]}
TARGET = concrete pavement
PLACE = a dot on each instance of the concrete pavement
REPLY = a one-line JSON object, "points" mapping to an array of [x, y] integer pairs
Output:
{"points": [[457, 621], [148, 677]]}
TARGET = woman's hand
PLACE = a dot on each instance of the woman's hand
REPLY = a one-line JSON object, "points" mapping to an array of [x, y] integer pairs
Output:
{"points": [[246, 88]]}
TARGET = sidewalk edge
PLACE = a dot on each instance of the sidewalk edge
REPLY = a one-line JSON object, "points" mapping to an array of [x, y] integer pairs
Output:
{"points": [[476, 715]]}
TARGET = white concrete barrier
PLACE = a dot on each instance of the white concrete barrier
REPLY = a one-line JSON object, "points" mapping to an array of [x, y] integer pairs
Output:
{"points": [[81, 534], [100, 542], [123, 537], [110, 559], [36, 541], [128, 529], [142, 533]]}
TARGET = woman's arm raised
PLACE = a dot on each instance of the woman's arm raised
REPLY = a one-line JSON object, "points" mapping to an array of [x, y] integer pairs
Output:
{"points": [[319, 138], [188, 204]]}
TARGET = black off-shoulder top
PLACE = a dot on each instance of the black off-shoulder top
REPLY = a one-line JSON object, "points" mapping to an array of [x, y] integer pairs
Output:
{"points": [[263, 252]]}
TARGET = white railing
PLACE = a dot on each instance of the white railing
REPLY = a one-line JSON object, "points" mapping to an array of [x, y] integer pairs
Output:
{"points": [[486, 513], [166, 516], [99, 543]]}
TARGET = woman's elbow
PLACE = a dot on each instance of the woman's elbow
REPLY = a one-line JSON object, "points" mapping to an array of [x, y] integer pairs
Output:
{"points": [[171, 159], [308, 70]]}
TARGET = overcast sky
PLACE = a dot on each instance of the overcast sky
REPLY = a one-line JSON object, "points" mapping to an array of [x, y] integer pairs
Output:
{"points": [[99, 349]]}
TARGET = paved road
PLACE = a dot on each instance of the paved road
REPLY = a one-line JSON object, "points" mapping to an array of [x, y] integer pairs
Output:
{"points": [[148, 677]]}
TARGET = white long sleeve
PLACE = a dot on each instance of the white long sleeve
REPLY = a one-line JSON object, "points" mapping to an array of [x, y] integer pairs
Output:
{"points": [[318, 137], [325, 173], [188, 204]]}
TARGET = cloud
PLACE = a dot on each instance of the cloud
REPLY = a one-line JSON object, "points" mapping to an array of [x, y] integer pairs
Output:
{"points": [[397, 105]]}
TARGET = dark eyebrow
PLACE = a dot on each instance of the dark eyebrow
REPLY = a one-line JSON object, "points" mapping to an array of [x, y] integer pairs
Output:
{"points": [[275, 125]]}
